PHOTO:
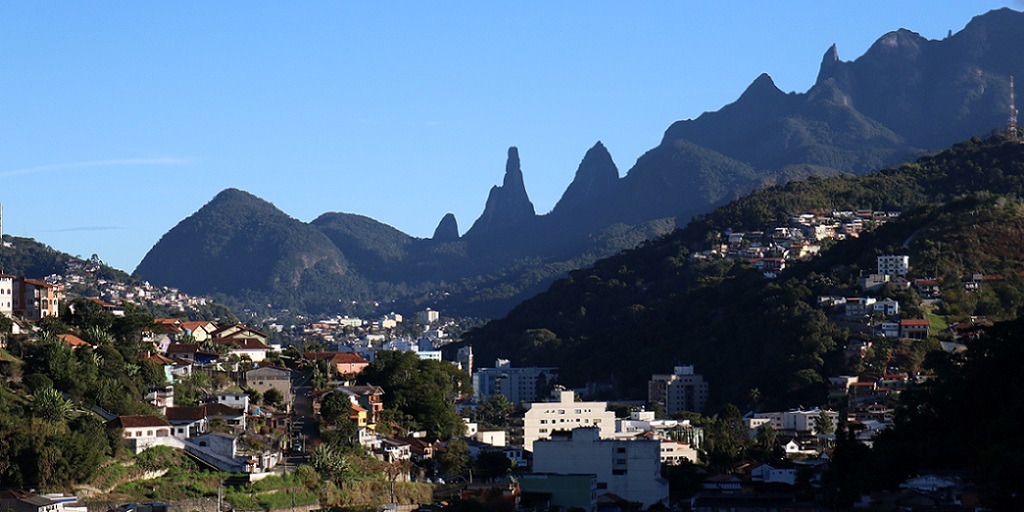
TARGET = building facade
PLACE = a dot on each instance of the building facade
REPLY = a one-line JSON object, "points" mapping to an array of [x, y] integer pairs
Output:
{"points": [[545, 418], [893, 264], [682, 390], [518, 385], [629, 469]]}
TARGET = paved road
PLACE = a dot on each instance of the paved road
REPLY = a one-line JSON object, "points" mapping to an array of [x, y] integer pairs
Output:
{"points": [[304, 426]]}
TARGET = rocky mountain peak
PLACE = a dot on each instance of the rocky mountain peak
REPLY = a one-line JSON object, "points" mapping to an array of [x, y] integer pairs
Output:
{"points": [[447, 230], [595, 177], [763, 88], [828, 64], [508, 204]]}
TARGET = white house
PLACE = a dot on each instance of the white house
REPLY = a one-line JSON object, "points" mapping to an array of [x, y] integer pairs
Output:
{"points": [[144, 431], [675, 452]]}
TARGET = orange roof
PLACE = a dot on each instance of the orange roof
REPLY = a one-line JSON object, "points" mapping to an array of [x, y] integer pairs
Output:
{"points": [[915, 322], [243, 343], [192, 326], [337, 357], [100, 302], [159, 359], [73, 341]]}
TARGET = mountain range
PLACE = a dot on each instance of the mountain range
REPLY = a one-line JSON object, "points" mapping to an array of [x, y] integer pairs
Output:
{"points": [[663, 303], [905, 96]]}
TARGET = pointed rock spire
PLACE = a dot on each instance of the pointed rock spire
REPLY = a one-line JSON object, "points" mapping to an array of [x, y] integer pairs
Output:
{"points": [[595, 178], [447, 230], [828, 64], [508, 204]]}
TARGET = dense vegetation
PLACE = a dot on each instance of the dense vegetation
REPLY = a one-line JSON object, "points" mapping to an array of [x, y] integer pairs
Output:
{"points": [[419, 394], [646, 309], [50, 436], [966, 418]]}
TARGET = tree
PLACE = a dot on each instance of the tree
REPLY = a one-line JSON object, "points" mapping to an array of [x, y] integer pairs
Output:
{"points": [[823, 423], [49, 405], [423, 391], [6, 324], [495, 411], [455, 458], [330, 463], [273, 397], [492, 464], [336, 412]]}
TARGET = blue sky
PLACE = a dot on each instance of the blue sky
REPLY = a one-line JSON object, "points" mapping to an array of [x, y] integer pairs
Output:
{"points": [[119, 119]]}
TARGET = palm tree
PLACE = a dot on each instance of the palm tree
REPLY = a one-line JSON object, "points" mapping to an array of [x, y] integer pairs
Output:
{"points": [[50, 405]]}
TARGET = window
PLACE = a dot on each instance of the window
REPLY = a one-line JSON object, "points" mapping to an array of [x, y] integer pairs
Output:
{"points": [[543, 431], [618, 471]]}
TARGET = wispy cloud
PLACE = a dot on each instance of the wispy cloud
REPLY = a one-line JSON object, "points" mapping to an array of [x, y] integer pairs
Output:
{"points": [[84, 228], [95, 164]]}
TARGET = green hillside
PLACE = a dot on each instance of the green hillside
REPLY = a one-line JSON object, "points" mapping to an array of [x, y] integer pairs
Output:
{"points": [[647, 309]]}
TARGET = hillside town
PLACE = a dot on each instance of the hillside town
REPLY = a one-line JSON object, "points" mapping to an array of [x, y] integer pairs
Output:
{"points": [[236, 402], [642, 346]]}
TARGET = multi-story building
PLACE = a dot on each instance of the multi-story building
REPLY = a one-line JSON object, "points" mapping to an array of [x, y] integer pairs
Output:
{"points": [[518, 385], [682, 390], [266, 378], [545, 418], [893, 264], [30, 299], [429, 316], [799, 421], [630, 469], [6, 294]]}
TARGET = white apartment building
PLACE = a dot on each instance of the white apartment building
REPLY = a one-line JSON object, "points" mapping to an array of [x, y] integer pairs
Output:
{"points": [[629, 469], [796, 420], [544, 418], [429, 316], [893, 264], [6, 294]]}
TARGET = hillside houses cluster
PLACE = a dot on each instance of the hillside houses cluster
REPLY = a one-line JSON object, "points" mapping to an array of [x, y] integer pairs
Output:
{"points": [[770, 249], [87, 276]]}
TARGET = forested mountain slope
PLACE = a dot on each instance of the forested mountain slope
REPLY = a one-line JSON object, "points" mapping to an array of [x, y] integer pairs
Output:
{"points": [[642, 311]]}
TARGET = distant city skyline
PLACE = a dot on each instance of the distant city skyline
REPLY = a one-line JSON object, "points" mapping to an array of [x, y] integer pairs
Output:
{"points": [[121, 119]]}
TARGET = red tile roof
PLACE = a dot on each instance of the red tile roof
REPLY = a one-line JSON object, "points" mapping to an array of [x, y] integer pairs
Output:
{"points": [[73, 341], [183, 348], [915, 322], [244, 343], [186, 413], [138, 421]]}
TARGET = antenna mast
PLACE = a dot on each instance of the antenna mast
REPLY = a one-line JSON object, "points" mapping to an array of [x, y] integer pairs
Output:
{"points": [[1012, 124]]}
